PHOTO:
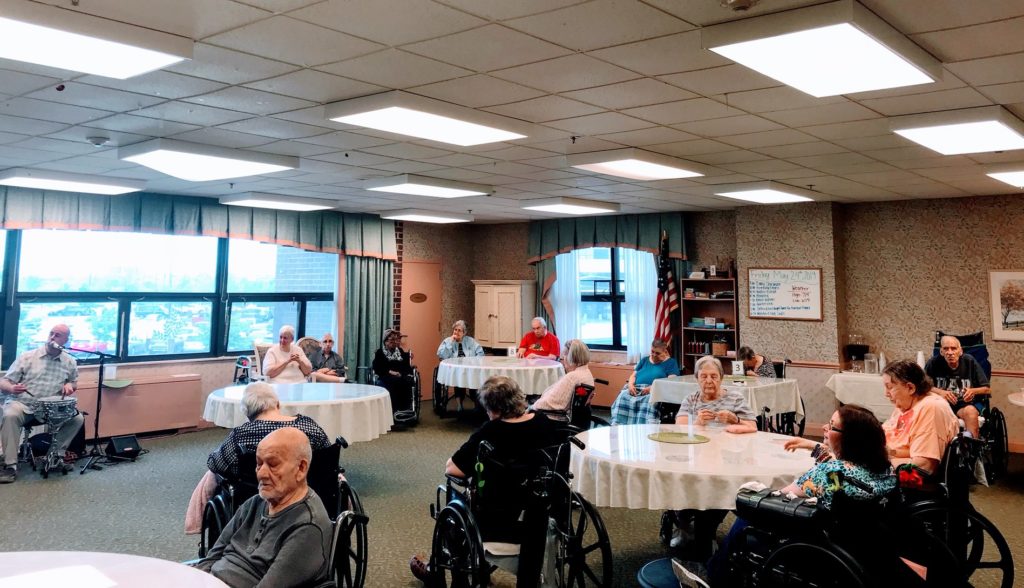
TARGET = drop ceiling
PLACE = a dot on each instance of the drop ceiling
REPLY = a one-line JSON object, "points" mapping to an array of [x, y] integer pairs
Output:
{"points": [[589, 75]]}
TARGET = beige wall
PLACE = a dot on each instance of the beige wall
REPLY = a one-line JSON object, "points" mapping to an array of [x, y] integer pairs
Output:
{"points": [[711, 238]]}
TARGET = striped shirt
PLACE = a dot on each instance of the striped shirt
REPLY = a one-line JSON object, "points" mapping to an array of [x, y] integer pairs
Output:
{"points": [[43, 375], [730, 400]]}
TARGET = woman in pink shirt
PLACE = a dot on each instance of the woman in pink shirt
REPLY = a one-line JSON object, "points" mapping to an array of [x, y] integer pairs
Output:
{"points": [[575, 358], [922, 425]]}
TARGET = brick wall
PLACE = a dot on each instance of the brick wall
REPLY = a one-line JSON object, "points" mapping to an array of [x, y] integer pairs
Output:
{"points": [[304, 271]]}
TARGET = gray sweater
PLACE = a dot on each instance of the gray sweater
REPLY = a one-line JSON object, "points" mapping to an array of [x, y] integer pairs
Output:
{"points": [[291, 548]]}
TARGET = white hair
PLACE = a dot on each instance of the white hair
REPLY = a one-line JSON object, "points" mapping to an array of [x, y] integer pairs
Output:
{"points": [[258, 398], [460, 323], [540, 320], [286, 329]]}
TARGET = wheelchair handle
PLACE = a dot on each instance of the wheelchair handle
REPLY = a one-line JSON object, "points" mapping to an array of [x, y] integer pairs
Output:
{"points": [[341, 441]]}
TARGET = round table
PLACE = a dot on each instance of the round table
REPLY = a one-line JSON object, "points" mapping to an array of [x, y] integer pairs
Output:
{"points": [[533, 375], [95, 570], [1016, 398], [622, 467], [357, 412]]}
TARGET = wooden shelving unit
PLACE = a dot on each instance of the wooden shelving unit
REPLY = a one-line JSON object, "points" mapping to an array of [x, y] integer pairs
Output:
{"points": [[698, 341]]}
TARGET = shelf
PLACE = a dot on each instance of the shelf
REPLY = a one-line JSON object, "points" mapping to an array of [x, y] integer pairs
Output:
{"points": [[707, 279], [709, 299], [703, 354], [708, 329]]}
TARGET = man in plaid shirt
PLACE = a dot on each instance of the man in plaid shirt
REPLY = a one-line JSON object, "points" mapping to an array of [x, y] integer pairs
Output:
{"points": [[36, 374]]}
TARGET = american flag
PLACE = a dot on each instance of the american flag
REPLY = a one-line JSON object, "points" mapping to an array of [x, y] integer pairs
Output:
{"points": [[668, 295]]}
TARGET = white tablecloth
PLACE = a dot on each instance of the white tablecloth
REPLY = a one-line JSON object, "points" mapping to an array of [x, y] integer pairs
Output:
{"points": [[91, 569], [621, 467], [357, 412], [780, 396], [532, 375], [863, 389]]}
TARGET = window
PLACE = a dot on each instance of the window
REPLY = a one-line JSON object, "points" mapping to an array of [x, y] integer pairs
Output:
{"points": [[169, 327], [93, 325], [259, 321], [602, 293]]}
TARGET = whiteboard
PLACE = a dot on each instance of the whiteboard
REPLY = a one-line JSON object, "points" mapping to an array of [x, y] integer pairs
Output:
{"points": [[784, 293]]}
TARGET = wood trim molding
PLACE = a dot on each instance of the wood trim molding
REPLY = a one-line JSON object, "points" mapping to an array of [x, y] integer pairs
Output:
{"points": [[1008, 373], [814, 365]]}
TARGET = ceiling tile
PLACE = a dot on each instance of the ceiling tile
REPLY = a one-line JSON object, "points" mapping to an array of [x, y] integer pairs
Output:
{"points": [[58, 145], [274, 128], [732, 125], [598, 124], [391, 22], [689, 148], [346, 140], [96, 97], [729, 157], [1004, 93], [631, 94], [503, 9], [16, 83], [584, 27], [230, 67], [683, 111], [544, 109], [777, 98], [317, 86], [43, 110], [990, 70], [164, 84], [250, 101], [223, 138], [488, 48], [891, 140], [196, 114], [973, 42], [799, 149], [705, 13], [563, 74], [293, 148], [768, 138], [395, 69], [521, 153], [137, 125], [831, 113], [861, 128], [945, 100], [407, 167], [477, 91], [648, 136], [407, 151], [293, 41], [916, 16], [720, 80], [665, 55]]}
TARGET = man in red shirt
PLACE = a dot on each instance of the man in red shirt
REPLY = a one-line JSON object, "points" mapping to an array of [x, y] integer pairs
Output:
{"points": [[539, 342]]}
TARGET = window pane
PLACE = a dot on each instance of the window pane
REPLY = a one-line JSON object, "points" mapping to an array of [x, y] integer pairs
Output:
{"points": [[596, 323], [595, 270], [258, 321], [165, 327], [116, 262], [320, 318], [262, 268], [93, 325]]}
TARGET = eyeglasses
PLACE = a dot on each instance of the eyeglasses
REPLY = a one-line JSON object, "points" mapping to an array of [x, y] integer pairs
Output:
{"points": [[831, 427]]}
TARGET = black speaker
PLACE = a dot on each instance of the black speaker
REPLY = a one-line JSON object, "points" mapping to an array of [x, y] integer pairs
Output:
{"points": [[124, 446]]}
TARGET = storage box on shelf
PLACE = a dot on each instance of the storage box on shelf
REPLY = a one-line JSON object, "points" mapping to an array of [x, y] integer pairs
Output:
{"points": [[710, 319]]}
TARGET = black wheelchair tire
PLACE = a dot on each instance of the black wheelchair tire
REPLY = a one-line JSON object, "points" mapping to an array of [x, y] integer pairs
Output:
{"points": [[357, 543], [580, 572], [457, 554], [828, 565], [937, 518]]}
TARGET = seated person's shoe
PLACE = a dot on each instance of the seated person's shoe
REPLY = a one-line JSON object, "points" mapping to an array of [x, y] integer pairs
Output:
{"points": [[8, 475], [420, 569]]}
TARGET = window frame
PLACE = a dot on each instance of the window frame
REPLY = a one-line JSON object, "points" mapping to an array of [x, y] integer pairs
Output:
{"points": [[615, 297]]}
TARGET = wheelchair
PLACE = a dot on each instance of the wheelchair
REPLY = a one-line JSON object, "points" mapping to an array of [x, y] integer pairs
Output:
{"points": [[403, 418], [579, 414], [547, 518], [349, 554], [441, 397], [992, 424]]}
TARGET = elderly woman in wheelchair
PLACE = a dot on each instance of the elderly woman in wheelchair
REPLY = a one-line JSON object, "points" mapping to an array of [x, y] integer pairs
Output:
{"points": [[507, 504]]}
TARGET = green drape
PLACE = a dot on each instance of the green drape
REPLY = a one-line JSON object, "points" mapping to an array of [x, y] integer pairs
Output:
{"points": [[352, 234], [548, 238], [368, 307]]}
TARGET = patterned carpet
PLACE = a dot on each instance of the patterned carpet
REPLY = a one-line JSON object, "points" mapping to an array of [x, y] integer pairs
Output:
{"points": [[139, 507]]}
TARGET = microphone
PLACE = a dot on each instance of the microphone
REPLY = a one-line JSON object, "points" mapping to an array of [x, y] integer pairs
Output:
{"points": [[55, 345]]}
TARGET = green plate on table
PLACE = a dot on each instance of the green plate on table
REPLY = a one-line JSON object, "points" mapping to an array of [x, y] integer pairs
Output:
{"points": [[679, 438]]}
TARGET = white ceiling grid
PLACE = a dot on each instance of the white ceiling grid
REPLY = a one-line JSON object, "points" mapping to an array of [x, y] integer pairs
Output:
{"points": [[590, 75]]}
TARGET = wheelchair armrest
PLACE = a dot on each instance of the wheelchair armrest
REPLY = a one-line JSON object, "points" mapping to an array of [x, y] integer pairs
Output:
{"points": [[341, 441], [458, 480], [599, 421]]}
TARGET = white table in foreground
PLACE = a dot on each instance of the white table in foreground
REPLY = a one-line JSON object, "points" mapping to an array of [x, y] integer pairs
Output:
{"points": [[780, 395], [532, 375], [85, 569], [621, 467], [357, 412], [863, 389], [1016, 398]]}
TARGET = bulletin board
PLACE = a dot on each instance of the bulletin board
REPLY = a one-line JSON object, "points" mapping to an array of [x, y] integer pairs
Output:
{"points": [[784, 293]]}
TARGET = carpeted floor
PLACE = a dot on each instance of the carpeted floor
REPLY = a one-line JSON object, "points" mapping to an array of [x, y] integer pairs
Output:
{"points": [[139, 507]]}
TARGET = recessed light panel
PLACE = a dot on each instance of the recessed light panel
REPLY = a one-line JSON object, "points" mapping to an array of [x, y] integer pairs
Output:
{"points": [[1012, 174], [203, 163], [764, 193], [972, 130], [635, 164], [416, 116], [68, 182], [67, 39], [426, 186], [825, 50], [426, 216], [277, 202], [575, 206]]}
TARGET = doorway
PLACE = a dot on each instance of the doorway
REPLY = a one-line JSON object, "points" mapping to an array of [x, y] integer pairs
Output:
{"points": [[421, 316]]}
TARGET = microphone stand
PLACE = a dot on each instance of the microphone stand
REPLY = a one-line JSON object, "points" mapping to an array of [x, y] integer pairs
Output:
{"points": [[95, 455]]}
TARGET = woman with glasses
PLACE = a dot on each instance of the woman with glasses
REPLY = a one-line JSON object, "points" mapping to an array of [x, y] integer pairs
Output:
{"points": [[633, 404]]}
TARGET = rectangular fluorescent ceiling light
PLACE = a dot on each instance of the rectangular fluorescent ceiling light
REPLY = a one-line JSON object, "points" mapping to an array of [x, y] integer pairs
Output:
{"points": [[635, 164], [277, 202], [825, 50], [67, 39], [68, 182], [970, 130], [424, 186], [426, 216], [202, 163], [564, 205], [765, 193], [415, 116], [1012, 174]]}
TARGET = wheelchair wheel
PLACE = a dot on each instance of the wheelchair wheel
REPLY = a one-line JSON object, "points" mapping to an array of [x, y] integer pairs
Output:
{"points": [[997, 452], [457, 554], [588, 552], [351, 555], [977, 544], [806, 565]]}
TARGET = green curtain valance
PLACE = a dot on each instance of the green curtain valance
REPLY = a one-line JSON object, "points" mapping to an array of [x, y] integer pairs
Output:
{"points": [[548, 238], [363, 235]]}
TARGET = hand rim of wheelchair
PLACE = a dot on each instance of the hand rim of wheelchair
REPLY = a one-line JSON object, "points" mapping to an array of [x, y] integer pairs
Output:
{"points": [[839, 557], [573, 552], [349, 571], [465, 560], [981, 526]]}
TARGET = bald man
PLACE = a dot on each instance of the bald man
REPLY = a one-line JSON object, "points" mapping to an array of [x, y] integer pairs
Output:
{"points": [[45, 372], [282, 536], [952, 363]]}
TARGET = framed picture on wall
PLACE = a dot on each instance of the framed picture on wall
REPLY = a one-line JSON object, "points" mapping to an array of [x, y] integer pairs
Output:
{"points": [[1006, 299]]}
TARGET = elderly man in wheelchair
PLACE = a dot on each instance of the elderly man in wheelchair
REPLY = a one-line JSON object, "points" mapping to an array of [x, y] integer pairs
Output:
{"points": [[507, 504]]}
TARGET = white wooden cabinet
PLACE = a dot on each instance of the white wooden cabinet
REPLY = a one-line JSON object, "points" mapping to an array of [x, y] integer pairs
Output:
{"points": [[504, 309]]}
